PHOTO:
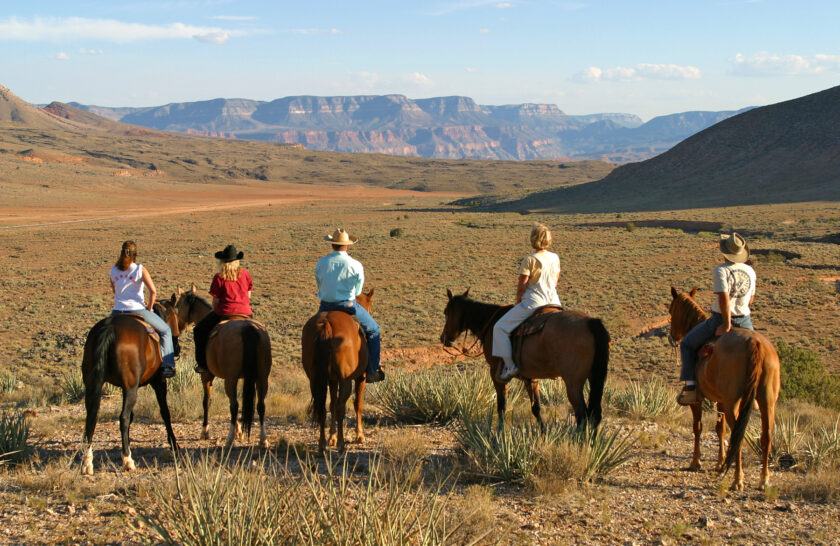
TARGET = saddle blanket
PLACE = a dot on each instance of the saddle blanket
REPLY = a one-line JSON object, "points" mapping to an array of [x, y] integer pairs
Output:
{"points": [[536, 322]]}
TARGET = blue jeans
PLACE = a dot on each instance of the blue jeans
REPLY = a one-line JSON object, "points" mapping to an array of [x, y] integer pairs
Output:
{"points": [[163, 331], [698, 336], [370, 327]]}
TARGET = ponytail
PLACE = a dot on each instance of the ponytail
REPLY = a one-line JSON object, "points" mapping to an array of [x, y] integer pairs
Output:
{"points": [[128, 255]]}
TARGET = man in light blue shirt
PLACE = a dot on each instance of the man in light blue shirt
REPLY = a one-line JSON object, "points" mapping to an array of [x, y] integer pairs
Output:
{"points": [[340, 279]]}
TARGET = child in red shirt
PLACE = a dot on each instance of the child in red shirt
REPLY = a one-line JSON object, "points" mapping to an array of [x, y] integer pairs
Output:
{"points": [[231, 290]]}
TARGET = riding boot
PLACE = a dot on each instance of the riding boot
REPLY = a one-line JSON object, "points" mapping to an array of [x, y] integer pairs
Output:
{"points": [[509, 370]]}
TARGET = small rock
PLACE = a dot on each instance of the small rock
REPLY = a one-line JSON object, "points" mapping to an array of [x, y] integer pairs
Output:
{"points": [[785, 507], [705, 522], [681, 494], [70, 509], [739, 521]]}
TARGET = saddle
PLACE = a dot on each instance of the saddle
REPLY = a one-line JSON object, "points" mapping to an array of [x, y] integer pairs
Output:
{"points": [[530, 326], [229, 318], [149, 330]]}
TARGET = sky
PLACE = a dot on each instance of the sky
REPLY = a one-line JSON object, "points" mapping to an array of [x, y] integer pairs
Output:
{"points": [[645, 57]]}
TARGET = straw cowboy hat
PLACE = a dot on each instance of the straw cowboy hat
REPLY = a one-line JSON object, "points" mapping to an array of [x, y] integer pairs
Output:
{"points": [[734, 248], [341, 237], [229, 254]]}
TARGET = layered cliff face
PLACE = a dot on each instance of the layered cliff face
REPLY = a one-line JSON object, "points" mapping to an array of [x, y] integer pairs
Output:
{"points": [[439, 127]]}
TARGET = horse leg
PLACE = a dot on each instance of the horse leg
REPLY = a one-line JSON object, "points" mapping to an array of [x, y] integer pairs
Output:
{"points": [[262, 390], [768, 417], [207, 383], [92, 406], [697, 428], [720, 428], [343, 396], [738, 479], [230, 390], [501, 401], [333, 405], [357, 404], [129, 398], [575, 394], [159, 385], [533, 390]]}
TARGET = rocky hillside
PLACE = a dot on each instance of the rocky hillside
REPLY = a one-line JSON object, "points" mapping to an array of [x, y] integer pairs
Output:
{"points": [[441, 127], [781, 153]]}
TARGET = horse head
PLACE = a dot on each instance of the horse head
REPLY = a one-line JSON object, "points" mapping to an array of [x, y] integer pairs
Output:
{"points": [[454, 312], [685, 314], [366, 300], [184, 303]]}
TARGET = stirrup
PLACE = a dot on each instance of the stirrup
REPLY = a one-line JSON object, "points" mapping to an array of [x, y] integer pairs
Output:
{"points": [[688, 397]]}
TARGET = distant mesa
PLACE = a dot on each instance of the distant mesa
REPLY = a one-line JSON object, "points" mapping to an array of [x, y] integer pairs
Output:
{"points": [[454, 127], [785, 152]]}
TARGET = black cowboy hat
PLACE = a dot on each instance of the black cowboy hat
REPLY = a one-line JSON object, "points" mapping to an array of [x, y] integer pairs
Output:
{"points": [[229, 254]]}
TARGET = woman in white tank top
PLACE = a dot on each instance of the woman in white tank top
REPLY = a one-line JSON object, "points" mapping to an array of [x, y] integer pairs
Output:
{"points": [[538, 276], [128, 279]]}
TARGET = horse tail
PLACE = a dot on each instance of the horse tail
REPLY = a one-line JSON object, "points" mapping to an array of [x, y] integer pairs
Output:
{"points": [[598, 372], [250, 349], [755, 367], [103, 355], [323, 361]]}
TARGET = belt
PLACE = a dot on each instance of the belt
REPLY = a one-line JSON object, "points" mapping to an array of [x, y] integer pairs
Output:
{"points": [[730, 316]]}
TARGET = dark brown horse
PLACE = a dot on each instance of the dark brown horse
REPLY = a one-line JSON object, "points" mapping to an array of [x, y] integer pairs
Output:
{"points": [[119, 351], [572, 346], [238, 348], [334, 354], [742, 367]]}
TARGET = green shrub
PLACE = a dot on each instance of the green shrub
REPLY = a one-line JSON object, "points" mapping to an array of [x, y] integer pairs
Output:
{"points": [[72, 387], [8, 383], [14, 436], [397, 232], [630, 226], [805, 378], [644, 400], [518, 452]]}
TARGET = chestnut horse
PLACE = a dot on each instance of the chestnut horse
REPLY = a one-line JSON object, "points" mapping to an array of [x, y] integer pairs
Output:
{"points": [[742, 367], [238, 348], [334, 353], [119, 351], [571, 345]]}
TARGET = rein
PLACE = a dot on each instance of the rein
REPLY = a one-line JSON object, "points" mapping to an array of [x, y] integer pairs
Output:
{"points": [[468, 352]]}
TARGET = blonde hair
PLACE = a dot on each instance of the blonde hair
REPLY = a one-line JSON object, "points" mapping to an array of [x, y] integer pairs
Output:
{"points": [[540, 237], [128, 255], [229, 271]]}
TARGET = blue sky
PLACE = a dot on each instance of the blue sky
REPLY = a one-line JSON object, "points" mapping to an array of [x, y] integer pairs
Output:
{"points": [[647, 57]]}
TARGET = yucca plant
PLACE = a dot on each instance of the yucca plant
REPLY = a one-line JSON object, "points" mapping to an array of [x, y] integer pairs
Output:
{"points": [[823, 447], [72, 387], [14, 436], [788, 437], [8, 383], [644, 400]]}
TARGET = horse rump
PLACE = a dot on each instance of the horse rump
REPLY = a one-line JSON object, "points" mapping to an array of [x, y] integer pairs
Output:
{"points": [[250, 372], [598, 372], [756, 366]]}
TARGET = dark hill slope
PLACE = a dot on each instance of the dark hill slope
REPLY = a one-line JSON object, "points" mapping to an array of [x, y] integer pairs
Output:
{"points": [[784, 152]]}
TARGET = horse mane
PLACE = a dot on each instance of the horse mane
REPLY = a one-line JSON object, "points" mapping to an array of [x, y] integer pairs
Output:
{"points": [[476, 313], [693, 314], [192, 297]]}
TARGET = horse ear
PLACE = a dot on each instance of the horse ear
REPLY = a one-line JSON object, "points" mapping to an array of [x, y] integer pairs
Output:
{"points": [[673, 292], [449, 293], [192, 288], [370, 292], [180, 290], [693, 292], [467, 293], [173, 299]]}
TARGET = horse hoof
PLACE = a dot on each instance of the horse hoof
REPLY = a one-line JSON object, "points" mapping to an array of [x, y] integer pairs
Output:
{"points": [[87, 469], [737, 486], [264, 444], [128, 465], [205, 435], [333, 441], [694, 467], [359, 440]]}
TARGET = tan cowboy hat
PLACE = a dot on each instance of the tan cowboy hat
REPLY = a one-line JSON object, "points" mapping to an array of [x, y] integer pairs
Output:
{"points": [[734, 248], [341, 237]]}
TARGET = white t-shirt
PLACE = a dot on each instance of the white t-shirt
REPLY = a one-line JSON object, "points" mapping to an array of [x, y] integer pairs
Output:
{"points": [[128, 288], [737, 280]]}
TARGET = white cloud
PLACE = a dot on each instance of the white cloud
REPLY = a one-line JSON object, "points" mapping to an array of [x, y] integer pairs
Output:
{"points": [[764, 64], [71, 28], [503, 5], [642, 71], [62, 56], [83, 51], [419, 79], [217, 37], [573, 6], [450, 7], [471, 70], [333, 31], [484, 31], [234, 17]]}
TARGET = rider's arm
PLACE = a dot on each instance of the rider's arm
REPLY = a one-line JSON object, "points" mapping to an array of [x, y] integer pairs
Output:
{"points": [[521, 286], [360, 280], [113, 288], [723, 302], [147, 280]]}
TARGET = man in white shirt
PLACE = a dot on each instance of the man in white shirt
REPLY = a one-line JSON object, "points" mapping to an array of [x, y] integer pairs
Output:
{"points": [[734, 286]]}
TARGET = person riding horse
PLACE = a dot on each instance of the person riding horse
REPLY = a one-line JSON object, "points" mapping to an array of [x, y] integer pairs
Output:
{"points": [[537, 286], [734, 286], [231, 290], [128, 280], [340, 279]]}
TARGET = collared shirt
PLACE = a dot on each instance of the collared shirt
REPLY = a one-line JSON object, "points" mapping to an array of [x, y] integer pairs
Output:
{"points": [[339, 277]]}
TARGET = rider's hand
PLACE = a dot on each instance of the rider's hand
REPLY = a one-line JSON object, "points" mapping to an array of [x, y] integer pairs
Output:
{"points": [[722, 329]]}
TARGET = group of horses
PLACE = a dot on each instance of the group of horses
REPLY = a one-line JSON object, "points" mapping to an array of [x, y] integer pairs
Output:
{"points": [[742, 368]]}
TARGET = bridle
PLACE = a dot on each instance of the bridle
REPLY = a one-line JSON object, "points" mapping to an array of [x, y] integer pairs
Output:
{"points": [[468, 352]]}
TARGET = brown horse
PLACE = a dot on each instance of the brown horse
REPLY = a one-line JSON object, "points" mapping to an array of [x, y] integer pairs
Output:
{"points": [[334, 354], [119, 351], [572, 346], [238, 348], [742, 367]]}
